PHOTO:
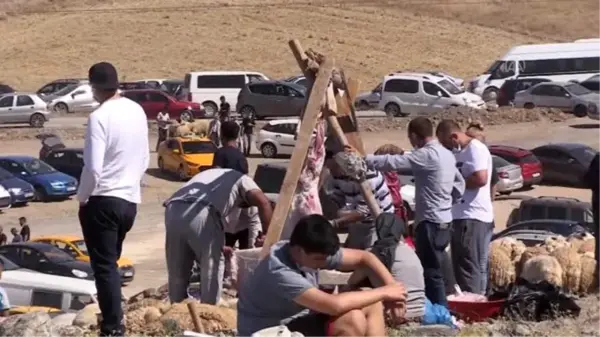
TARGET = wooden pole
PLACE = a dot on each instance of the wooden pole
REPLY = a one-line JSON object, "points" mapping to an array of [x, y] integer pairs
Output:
{"points": [[195, 320]]}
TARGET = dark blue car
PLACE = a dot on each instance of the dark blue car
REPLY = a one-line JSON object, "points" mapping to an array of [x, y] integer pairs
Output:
{"points": [[48, 183], [21, 192]]}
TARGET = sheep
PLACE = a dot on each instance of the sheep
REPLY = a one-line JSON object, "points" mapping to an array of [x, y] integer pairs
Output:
{"points": [[570, 262], [501, 269], [529, 253], [589, 278], [555, 242], [587, 245], [201, 127], [543, 268], [513, 247]]}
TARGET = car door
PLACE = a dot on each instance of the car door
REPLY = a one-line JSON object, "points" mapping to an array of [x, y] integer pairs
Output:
{"points": [[82, 100], [7, 113], [24, 108], [287, 131], [56, 159], [405, 93], [541, 96], [559, 97], [433, 98], [553, 163]]}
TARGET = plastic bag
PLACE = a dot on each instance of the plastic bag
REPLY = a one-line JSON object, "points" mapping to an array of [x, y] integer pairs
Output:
{"points": [[437, 314]]}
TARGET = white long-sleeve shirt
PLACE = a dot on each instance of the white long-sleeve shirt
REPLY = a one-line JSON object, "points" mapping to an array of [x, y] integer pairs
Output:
{"points": [[116, 152]]}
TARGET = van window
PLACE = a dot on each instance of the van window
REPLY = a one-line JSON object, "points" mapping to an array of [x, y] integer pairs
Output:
{"points": [[255, 78], [45, 298], [432, 89], [502, 69], [402, 86], [262, 89], [561, 66], [221, 81]]}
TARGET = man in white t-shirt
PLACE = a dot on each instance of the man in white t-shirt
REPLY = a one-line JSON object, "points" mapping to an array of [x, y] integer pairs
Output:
{"points": [[195, 220], [473, 216]]}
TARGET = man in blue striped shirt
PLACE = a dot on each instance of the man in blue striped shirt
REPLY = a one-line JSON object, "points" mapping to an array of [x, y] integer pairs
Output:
{"points": [[354, 211]]}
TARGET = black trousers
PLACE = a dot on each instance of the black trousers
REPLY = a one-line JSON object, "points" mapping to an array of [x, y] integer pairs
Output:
{"points": [[431, 240], [104, 222]]}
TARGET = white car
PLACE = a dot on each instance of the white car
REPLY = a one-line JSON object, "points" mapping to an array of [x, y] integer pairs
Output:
{"points": [[277, 137], [368, 100], [72, 98], [5, 199]]}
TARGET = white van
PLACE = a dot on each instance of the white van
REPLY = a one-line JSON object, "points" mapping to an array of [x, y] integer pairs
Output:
{"points": [[29, 288], [5, 199], [423, 94], [205, 87], [558, 62]]}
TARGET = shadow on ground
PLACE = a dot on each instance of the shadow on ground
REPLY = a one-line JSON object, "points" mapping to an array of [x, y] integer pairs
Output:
{"points": [[586, 126]]}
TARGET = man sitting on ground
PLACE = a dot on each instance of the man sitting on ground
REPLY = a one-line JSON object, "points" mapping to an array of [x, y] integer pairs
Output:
{"points": [[283, 289]]}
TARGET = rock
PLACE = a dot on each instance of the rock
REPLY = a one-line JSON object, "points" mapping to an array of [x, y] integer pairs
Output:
{"points": [[64, 319], [522, 330], [30, 324], [67, 331], [87, 317]]}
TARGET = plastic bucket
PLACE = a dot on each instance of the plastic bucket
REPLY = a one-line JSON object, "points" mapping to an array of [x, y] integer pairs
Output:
{"points": [[245, 261]]}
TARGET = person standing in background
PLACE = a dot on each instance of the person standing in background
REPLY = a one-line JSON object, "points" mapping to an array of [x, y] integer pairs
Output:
{"points": [[474, 214], [224, 109], [214, 130], [3, 237], [229, 155], [16, 236], [116, 155], [163, 120], [247, 130], [25, 231]]}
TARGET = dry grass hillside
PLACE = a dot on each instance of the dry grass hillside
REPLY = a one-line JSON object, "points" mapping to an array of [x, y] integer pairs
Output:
{"points": [[47, 39]]}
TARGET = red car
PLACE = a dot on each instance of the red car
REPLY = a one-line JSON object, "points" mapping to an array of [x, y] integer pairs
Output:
{"points": [[154, 101], [531, 167]]}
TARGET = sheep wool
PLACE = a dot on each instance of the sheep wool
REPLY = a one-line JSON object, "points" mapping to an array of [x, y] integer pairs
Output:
{"points": [[543, 268], [589, 280], [201, 127], [529, 253], [570, 261], [587, 245], [554, 242], [501, 269]]}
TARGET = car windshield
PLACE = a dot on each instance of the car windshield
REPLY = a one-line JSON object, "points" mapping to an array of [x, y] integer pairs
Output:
{"points": [[577, 89], [493, 67], [196, 147], [8, 264], [170, 86], [4, 174], [35, 166], [66, 90], [450, 87], [80, 244], [54, 254]]}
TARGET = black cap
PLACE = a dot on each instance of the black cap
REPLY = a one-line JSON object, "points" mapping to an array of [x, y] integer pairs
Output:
{"points": [[103, 75]]}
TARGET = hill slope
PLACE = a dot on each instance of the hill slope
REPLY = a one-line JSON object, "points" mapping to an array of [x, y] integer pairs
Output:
{"points": [[368, 38]]}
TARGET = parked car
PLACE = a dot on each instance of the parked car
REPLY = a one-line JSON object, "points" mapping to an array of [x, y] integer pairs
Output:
{"points": [[509, 176], [423, 94], [186, 156], [57, 85], [75, 246], [565, 163], [368, 100], [5, 89], [154, 101], [173, 88], [277, 137], [570, 97], [507, 92], [72, 98], [19, 107], [458, 81], [533, 232], [271, 99], [133, 86], [553, 208], [5, 198], [300, 80], [28, 288], [531, 167], [21, 192], [47, 181], [47, 259], [67, 160], [591, 83]]}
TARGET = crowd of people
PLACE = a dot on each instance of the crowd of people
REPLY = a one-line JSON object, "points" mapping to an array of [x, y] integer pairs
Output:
{"points": [[22, 235], [219, 208]]}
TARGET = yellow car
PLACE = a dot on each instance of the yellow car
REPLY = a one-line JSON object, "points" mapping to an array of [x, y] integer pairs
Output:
{"points": [[24, 309], [186, 156], [75, 246]]}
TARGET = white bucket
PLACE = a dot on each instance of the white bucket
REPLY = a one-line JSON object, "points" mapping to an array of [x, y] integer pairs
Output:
{"points": [[243, 263]]}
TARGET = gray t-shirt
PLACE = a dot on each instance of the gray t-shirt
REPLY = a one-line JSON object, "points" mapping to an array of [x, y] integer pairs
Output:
{"points": [[407, 269], [266, 298]]}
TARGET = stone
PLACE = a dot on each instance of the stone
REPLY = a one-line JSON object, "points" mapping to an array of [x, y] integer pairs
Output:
{"points": [[63, 319], [522, 330], [87, 317], [67, 331], [30, 324]]}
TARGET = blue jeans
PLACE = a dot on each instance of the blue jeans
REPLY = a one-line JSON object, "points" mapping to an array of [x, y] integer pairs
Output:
{"points": [[470, 252], [431, 240]]}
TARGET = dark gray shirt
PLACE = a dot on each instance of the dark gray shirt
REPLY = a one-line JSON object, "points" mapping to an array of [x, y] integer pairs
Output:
{"points": [[438, 183]]}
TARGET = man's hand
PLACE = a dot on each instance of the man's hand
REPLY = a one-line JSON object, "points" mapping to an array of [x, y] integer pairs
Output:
{"points": [[227, 251], [260, 240], [394, 292], [350, 148], [396, 312]]}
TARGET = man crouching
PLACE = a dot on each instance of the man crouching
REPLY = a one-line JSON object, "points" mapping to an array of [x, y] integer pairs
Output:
{"points": [[283, 289]]}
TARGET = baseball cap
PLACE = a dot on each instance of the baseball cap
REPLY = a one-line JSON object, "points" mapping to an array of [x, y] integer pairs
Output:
{"points": [[103, 75]]}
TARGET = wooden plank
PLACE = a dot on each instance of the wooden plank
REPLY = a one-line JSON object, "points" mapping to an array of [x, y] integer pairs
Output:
{"points": [[347, 116], [290, 182]]}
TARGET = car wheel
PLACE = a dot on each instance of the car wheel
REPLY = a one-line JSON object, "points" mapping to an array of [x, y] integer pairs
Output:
{"points": [[248, 110], [363, 105], [210, 108], [529, 106], [186, 116], [580, 111], [37, 121], [392, 110], [39, 194], [181, 173], [490, 94], [268, 150], [161, 164], [61, 108]]}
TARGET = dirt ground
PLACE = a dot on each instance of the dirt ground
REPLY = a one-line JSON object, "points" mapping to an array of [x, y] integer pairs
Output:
{"points": [[145, 242], [370, 38]]}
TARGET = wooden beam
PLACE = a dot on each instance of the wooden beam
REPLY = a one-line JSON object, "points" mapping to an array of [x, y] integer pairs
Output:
{"points": [[290, 182]]}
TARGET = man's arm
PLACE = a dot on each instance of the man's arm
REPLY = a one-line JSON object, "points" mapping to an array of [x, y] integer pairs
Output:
{"points": [[476, 171], [354, 259], [389, 162], [243, 164], [256, 197], [93, 158], [458, 189]]}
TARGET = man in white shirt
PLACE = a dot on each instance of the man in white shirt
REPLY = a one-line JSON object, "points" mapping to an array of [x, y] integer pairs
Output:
{"points": [[195, 220], [163, 120], [115, 156], [474, 214]]}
